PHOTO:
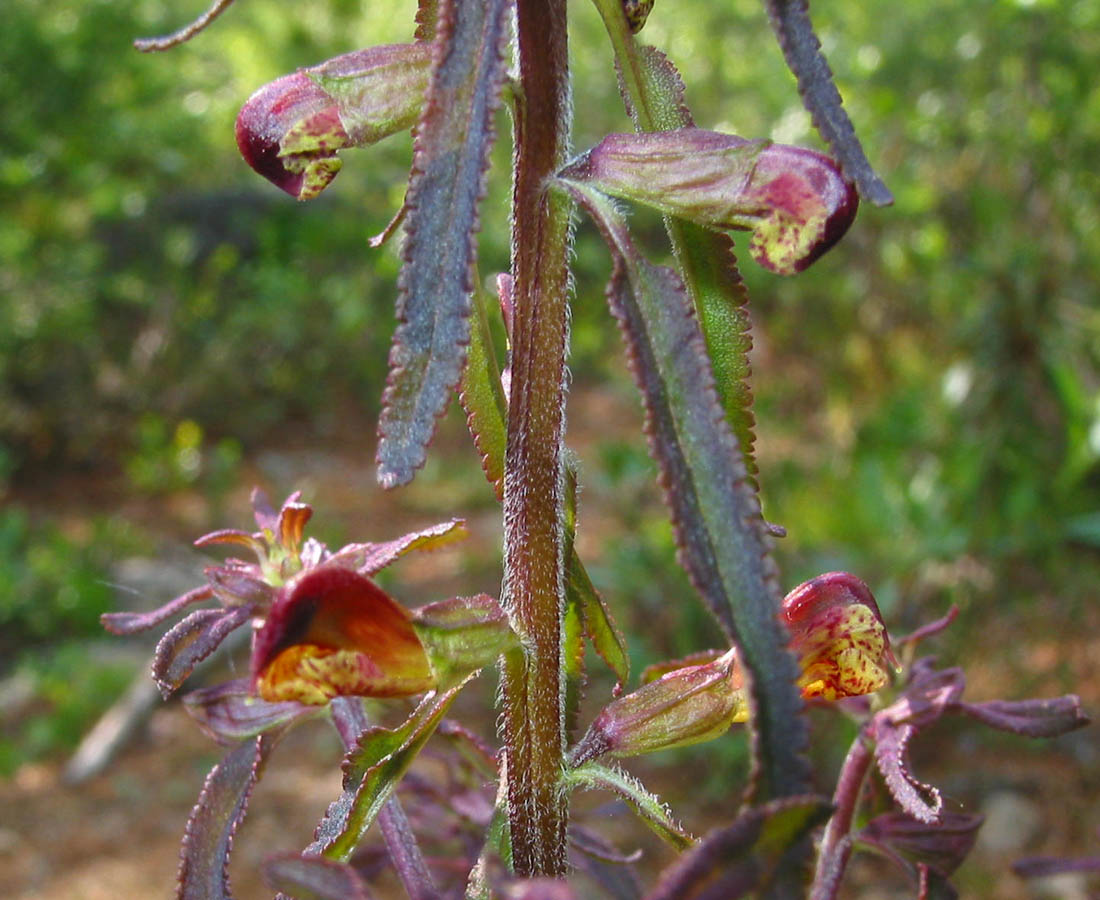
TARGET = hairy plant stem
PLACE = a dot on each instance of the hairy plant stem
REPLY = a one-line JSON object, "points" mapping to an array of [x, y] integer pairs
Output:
{"points": [[534, 584], [832, 857]]}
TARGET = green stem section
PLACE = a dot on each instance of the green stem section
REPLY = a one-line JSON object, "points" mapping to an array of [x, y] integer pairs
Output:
{"points": [[533, 480]]}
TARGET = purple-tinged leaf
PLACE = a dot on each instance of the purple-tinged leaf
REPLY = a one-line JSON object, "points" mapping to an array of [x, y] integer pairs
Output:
{"points": [[371, 772], [235, 586], [921, 801], [791, 21], [716, 514], [1044, 866], [941, 846], [930, 694], [132, 622], [931, 629], [367, 559], [599, 626], [191, 641], [233, 536], [538, 889], [204, 857], [1031, 718], [450, 158], [314, 878], [405, 853], [649, 808], [743, 857], [591, 844], [229, 712]]}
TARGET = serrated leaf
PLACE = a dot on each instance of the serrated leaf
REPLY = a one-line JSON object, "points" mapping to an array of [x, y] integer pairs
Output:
{"points": [[742, 857], [450, 158], [942, 845], [191, 641], [372, 771], [716, 515], [921, 801], [370, 558], [1030, 718], [791, 22], [482, 398], [229, 712], [314, 878], [132, 622], [204, 858], [649, 808]]}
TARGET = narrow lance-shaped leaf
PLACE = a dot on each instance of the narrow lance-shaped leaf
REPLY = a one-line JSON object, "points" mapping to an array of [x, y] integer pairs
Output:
{"points": [[314, 878], [191, 641], [740, 858], [653, 92], [791, 21], [649, 808], [371, 772], [230, 712], [203, 873], [715, 512], [450, 158]]}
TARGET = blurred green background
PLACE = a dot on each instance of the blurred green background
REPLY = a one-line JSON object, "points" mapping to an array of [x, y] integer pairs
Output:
{"points": [[173, 329]]}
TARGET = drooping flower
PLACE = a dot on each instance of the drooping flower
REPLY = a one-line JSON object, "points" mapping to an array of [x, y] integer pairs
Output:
{"points": [[291, 129], [836, 631], [322, 627], [795, 201], [839, 637]]}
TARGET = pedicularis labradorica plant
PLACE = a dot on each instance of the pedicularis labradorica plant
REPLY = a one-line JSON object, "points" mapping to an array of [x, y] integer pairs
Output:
{"points": [[325, 636]]}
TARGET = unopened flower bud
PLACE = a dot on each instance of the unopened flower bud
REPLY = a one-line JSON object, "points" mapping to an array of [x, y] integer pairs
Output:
{"points": [[684, 706], [333, 632], [839, 637], [794, 201], [291, 129]]}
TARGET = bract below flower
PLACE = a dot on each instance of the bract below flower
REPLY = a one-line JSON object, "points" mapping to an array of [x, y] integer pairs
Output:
{"points": [[839, 637]]}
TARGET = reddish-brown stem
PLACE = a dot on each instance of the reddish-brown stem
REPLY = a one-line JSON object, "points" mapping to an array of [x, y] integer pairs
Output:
{"points": [[835, 844], [533, 498]]}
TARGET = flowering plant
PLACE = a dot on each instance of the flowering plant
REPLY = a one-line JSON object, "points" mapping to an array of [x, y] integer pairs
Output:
{"points": [[324, 635]]}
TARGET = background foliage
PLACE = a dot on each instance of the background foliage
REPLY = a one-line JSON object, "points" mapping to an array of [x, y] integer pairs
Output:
{"points": [[928, 394]]}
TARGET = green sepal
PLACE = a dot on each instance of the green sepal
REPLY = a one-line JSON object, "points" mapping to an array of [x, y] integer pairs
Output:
{"points": [[462, 635]]}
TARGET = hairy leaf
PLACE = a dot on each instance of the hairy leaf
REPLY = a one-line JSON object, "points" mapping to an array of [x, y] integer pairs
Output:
{"points": [[649, 808], [204, 858], [1030, 718], [719, 529], [367, 559], [942, 846], [921, 801], [314, 878], [191, 641], [791, 21], [450, 157], [372, 771], [230, 713], [132, 622], [740, 858]]}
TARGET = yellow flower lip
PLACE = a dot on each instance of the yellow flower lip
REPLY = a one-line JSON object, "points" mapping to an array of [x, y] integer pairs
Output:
{"points": [[839, 636], [333, 632]]}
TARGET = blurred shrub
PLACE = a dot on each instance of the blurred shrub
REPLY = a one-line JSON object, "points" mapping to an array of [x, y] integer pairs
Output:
{"points": [[55, 585]]}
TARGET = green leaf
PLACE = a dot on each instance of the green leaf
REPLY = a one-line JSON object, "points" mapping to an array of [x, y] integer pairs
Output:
{"points": [[649, 809], [715, 511], [450, 158], [482, 397], [372, 771]]}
